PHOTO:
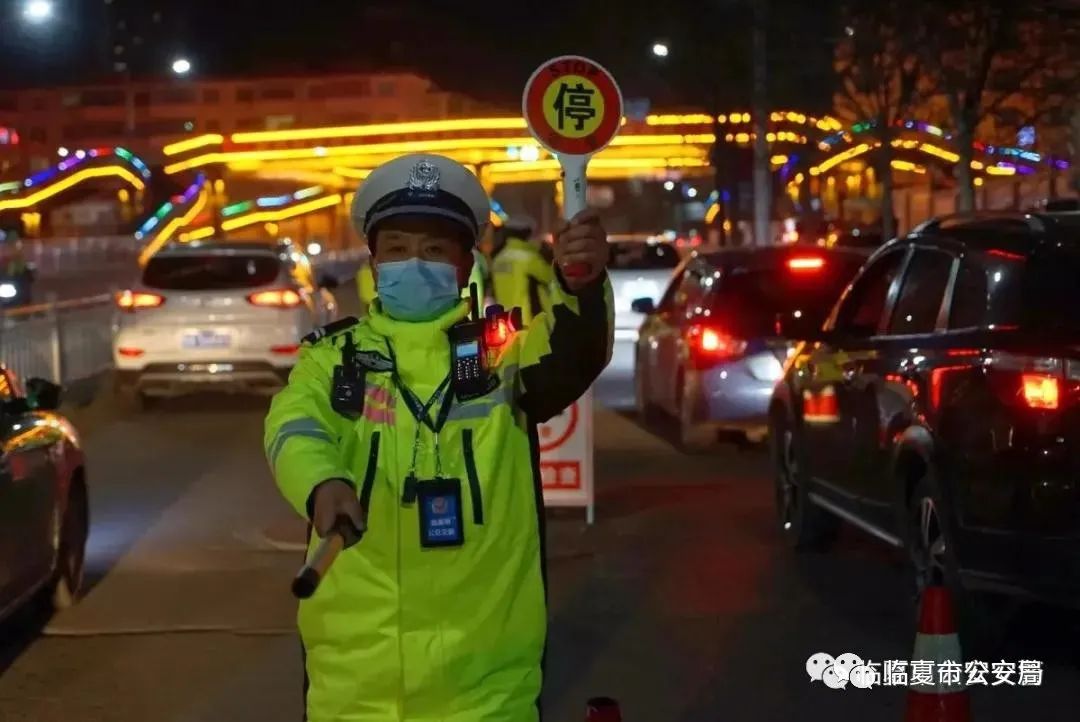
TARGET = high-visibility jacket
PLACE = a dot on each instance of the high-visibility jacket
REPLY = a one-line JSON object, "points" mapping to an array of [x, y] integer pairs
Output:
{"points": [[522, 277], [365, 281], [395, 632]]}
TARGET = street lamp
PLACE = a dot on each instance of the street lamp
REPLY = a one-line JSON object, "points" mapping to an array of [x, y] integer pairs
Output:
{"points": [[660, 50], [37, 11], [181, 66]]}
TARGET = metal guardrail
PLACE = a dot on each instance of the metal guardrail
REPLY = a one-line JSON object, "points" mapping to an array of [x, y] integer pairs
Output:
{"points": [[58, 257], [65, 341]]}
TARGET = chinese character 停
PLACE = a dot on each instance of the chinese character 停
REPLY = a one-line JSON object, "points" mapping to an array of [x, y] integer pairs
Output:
{"points": [[574, 103]]}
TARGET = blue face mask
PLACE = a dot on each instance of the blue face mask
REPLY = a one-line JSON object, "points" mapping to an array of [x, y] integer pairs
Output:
{"points": [[417, 290]]}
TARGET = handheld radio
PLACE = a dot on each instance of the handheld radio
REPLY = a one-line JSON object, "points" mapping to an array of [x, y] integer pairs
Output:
{"points": [[468, 375]]}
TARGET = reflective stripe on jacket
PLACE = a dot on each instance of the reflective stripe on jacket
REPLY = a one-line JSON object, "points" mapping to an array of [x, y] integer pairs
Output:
{"points": [[397, 633]]}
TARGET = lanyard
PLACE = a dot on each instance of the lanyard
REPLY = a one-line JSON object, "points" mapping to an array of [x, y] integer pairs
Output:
{"points": [[422, 412]]}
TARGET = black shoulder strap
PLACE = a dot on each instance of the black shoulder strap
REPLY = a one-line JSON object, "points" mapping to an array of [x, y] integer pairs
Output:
{"points": [[330, 329]]}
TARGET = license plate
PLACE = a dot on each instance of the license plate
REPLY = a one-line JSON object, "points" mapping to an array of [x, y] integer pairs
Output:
{"points": [[206, 339]]}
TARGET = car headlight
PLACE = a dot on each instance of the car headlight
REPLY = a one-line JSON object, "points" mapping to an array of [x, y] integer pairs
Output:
{"points": [[8, 290]]}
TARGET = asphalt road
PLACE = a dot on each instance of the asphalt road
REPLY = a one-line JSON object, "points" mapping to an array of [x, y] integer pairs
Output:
{"points": [[680, 601]]}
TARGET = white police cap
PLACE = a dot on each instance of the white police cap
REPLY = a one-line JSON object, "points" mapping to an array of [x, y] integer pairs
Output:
{"points": [[421, 184]]}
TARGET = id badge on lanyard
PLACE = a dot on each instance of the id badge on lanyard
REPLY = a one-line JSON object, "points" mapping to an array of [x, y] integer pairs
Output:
{"points": [[439, 499]]}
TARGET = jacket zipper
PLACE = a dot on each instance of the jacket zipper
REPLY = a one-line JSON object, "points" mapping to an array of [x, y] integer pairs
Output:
{"points": [[369, 473], [474, 480]]}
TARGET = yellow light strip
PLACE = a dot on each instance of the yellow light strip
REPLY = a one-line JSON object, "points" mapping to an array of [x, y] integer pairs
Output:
{"points": [[840, 158], [906, 165], [671, 119], [976, 165], [198, 141], [62, 185], [274, 216], [244, 160], [197, 234], [174, 225], [997, 170], [422, 126], [355, 173], [712, 213], [939, 152]]}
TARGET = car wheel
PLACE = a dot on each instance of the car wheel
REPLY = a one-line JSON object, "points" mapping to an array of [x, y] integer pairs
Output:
{"points": [[804, 524], [981, 619], [693, 438], [70, 543]]}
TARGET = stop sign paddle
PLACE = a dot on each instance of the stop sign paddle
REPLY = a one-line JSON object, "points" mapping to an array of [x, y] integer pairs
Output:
{"points": [[573, 108]]}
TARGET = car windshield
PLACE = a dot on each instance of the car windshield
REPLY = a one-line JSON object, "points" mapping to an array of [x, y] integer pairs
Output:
{"points": [[642, 255], [210, 272], [746, 302]]}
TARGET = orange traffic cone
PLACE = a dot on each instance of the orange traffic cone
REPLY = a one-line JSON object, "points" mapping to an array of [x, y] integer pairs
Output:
{"points": [[602, 709], [945, 699]]}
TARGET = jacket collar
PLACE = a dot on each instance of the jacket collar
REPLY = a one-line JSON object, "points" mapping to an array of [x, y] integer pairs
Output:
{"points": [[415, 333]]}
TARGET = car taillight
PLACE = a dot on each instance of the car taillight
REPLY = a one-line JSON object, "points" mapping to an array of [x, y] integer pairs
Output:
{"points": [[1035, 382], [805, 264], [709, 345], [1041, 391], [133, 300], [277, 298], [130, 352], [285, 349]]}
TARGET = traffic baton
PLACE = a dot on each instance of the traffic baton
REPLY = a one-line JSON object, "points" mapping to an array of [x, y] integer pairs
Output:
{"points": [[342, 536]]}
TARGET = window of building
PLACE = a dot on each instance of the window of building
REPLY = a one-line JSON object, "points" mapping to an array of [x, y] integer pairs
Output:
{"points": [[9, 102], [175, 96], [93, 130], [245, 95], [340, 89], [103, 98], [212, 125], [142, 98], [277, 94], [38, 135], [251, 123], [71, 99], [165, 126], [386, 89], [211, 96]]}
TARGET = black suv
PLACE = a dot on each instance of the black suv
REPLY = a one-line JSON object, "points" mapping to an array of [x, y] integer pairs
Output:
{"points": [[939, 406]]}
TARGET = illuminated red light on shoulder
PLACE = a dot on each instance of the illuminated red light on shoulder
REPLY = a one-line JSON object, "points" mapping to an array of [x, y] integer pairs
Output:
{"points": [[496, 332]]}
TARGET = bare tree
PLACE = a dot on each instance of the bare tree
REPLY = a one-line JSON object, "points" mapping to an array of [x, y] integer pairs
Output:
{"points": [[880, 78], [1000, 64]]}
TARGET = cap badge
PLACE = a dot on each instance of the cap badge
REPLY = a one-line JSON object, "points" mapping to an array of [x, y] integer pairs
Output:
{"points": [[424, 177]]}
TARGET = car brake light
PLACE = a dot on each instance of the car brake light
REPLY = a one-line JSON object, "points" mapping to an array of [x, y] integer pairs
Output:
{"points": [[131, 300], [709, 345], [130, 352], [800, 264], [1041, 391], [286, 349], [277, 298]]}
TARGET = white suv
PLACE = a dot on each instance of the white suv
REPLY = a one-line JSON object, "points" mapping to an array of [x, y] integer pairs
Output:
{"points": [[218, 315]]}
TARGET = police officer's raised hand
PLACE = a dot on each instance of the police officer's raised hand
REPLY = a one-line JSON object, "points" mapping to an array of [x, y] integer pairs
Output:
{"points": [[581, 245], [335, 498]]}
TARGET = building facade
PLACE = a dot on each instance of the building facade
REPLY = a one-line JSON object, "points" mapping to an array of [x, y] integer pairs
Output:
{"points": [[145, 116]]}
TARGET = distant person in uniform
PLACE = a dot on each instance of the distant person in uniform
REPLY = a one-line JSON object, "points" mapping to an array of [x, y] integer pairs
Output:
{"points": [[520, 273], [439, 611]]}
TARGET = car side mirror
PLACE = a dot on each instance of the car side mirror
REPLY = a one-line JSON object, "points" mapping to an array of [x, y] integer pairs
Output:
{"points": [[643, 305], [328, 282], [42, 394]]}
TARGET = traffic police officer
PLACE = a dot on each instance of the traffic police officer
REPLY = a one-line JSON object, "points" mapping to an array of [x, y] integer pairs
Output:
{"points": [[421, 430], [521, 276]]}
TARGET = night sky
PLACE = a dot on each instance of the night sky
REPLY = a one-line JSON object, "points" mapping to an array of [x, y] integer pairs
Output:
{"points": [[482, 47]]}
